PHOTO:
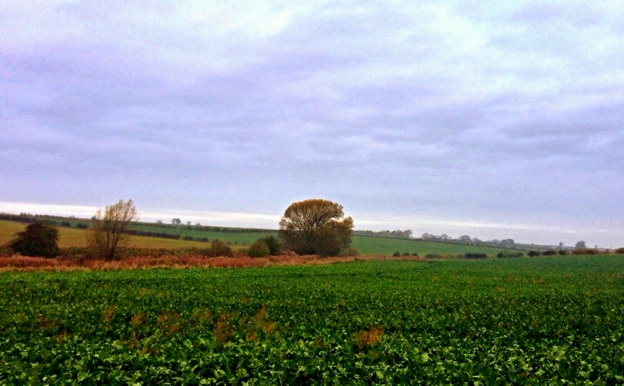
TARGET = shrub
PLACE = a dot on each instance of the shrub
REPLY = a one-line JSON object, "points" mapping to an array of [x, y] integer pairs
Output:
{"points": [[405, 253], [475, 255], [415, 254], [550, 252], [258, 249], [220, 248], [275, 247], [585, 251], [396, 254], [562, 252], [37, 239], [534, 253], [81, 225], [620, 251], [508, 255]]}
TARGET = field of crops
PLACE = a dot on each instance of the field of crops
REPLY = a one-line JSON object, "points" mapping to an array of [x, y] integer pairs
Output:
{"points": [[497, 321]]}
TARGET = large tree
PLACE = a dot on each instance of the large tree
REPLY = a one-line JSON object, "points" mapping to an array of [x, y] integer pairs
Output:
{"points": [[108, 228], [316, 227]]}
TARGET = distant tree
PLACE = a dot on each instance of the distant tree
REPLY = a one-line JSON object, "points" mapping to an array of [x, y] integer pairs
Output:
{"points": [[108, 229], [464, 239], [580, 244], [176, 221], [509, 243], [38, 239], [159, 222], [316, 227]]}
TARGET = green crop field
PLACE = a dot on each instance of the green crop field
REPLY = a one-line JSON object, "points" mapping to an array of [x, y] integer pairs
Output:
{"points": [[492, 322], [388, 246]]}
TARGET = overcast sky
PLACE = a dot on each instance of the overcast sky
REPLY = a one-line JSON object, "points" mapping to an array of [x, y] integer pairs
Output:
{"points": [[488, 118]]}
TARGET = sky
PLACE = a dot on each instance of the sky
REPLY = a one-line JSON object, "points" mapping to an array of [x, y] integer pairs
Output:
{"points": [[496, 119]]}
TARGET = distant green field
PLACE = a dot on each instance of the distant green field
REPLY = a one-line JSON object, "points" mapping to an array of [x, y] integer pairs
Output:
{"points": [[365, 244], [388, 246]]}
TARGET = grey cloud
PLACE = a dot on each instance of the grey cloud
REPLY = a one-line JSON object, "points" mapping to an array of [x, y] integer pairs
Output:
{"points": [[452, 111]]}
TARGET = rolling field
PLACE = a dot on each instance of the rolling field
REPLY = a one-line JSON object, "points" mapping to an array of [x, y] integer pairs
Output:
{"points": [[69, 237], [492, 322], [387, 246]]}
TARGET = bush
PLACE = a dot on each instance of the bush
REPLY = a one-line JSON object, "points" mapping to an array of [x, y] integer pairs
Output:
{"points": [[550, 252], [475, 255], [562, 252], [534, 253], [220, 248], [37, 240], [620, 251], [396, 254], [585, 251], [415, 254], [508, 255], [275, 247], [258, 249]]}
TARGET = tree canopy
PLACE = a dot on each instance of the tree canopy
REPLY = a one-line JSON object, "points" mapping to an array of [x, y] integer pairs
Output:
{"points": [[108, 229], [316, 227]]}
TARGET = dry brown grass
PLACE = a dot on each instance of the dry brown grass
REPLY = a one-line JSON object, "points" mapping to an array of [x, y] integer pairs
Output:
{"points": [[21, 263]]}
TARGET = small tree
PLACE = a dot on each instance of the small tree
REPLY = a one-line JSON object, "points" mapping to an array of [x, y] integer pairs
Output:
{"points": [[38, 239], [108, 229], [316, 227]]}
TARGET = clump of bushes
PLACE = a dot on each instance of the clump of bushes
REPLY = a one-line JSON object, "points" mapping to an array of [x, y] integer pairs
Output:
{"points": [[534, 253], [620, 251], [549, 252], [220, 248], [475, 255], [37, 240], [258, 249], [585, 251], [275, 247], [508, 255]]}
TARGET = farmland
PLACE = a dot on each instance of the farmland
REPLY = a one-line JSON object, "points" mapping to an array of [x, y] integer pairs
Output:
{"points": [[72, 237], [553, 320]]}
